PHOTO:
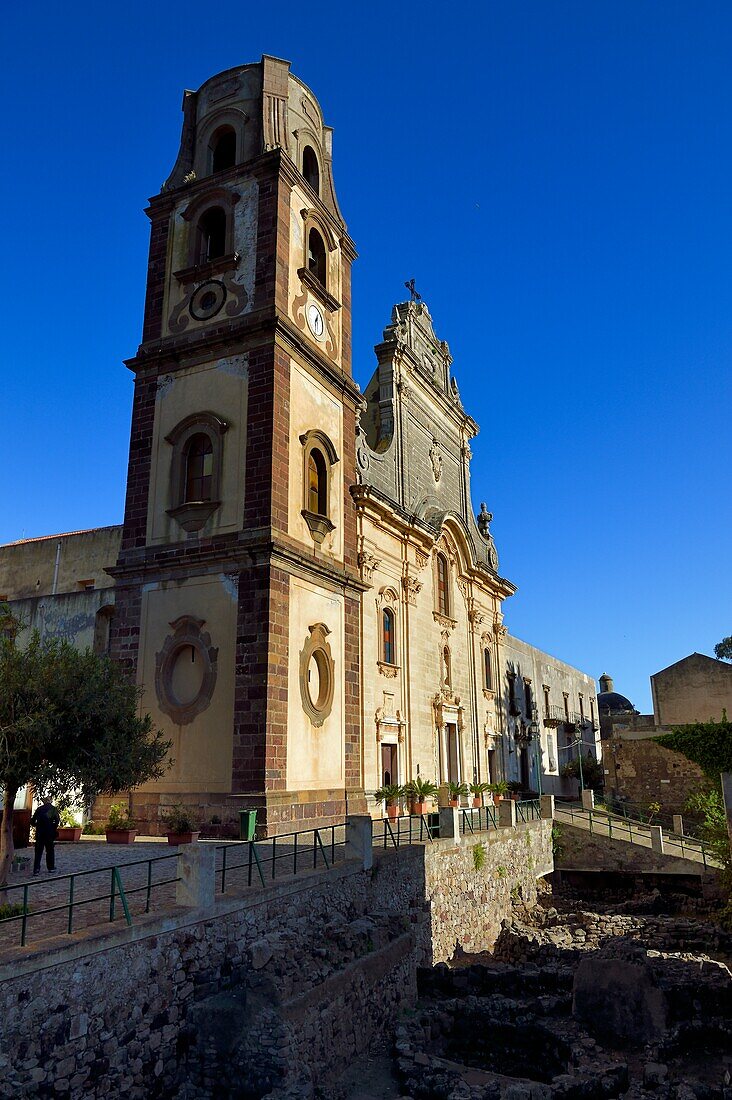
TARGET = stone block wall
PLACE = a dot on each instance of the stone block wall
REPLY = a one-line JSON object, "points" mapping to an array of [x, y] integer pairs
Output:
{"points": [[581, 850], [641, 771], [116, 1015]]}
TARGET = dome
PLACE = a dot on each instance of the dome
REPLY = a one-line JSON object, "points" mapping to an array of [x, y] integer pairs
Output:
{"points": [[612, 702]]}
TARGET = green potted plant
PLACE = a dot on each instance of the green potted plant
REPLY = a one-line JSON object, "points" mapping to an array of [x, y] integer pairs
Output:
{"points": [[418, 791], [120, 828], [478, 790], [69, 830], [499, 790], [182, 826], [457, 791], [390, 793], [514, 789]]}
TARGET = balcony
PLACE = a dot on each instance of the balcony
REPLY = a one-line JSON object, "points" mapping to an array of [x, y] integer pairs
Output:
{"points": [[555, 716]]}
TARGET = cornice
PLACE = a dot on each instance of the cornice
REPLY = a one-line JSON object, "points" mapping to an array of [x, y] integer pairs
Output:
{"points": [[173, 353], [375, 505], [246, 549]]}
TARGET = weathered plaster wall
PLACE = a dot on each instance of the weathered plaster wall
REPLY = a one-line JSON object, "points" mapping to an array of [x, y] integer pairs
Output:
{"points": [[694, 689], [107, 1017], [27, 567], [71, 616]]}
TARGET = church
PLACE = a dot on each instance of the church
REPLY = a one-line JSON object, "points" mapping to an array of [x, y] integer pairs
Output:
{"points": [[301, 585]]}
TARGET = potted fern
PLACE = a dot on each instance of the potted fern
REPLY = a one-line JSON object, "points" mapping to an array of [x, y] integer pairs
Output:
{"points": [[183, 828], [418, 791], [120, 828], [390, 793], [457, 791], [478, 790]]}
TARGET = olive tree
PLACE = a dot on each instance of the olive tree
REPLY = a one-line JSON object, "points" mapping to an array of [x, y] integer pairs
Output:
{"points": [[68, 719]]}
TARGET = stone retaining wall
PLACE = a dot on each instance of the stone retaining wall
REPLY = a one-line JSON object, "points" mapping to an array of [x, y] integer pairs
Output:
{"points": [[580, 849], [116, 1015]]}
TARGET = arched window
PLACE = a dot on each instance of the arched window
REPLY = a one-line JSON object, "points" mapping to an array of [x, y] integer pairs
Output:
{"points": [[487, 671], [443, 593], [448, 666], [198, 469], [317, 483], [316, 256], [388, 636], [223, 149], [212, 235], [310, 169]]}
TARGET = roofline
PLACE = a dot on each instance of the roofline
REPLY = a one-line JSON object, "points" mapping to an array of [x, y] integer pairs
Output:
{"points": [[63, 535]]}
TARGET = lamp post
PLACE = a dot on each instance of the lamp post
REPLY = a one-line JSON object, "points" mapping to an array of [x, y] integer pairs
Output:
{"points": [[578, 742]]}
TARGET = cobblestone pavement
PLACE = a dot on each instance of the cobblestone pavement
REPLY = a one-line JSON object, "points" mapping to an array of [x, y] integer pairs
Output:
{"points": [[147, 869]]}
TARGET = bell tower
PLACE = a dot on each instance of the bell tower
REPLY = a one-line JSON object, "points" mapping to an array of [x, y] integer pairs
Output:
{"points": [[237, 585]]}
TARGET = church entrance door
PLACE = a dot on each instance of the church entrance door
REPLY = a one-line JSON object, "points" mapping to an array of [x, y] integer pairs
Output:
{"points": [[453, 759], [389, 765]]}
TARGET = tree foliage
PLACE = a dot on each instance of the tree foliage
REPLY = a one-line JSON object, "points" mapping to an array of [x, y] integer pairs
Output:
{"points": [[708, 744], [723, 649], [593, 774], [68, 720]]}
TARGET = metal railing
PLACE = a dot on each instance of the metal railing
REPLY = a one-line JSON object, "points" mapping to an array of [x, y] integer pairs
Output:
{"points": [[636, 831], [478, 819], [116, 890], [401, 831], [528, 810], [285, 854]]}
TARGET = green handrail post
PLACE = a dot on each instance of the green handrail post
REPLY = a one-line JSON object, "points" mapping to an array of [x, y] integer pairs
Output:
{"points": [[257, 861], [71, 905], [117, 881], [223, 870], [24, 921], [274, 854], [294, 858], [111, 898]]}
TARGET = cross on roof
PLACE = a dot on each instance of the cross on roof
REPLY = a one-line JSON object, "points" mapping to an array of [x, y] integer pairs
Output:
{"points": [[414, 295]]}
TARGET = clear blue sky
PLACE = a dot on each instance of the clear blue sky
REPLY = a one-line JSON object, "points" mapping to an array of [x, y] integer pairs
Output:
{"points": [[555, 175]]}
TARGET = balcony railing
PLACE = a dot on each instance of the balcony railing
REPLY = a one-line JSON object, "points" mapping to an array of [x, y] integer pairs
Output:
{"points": [[558, 716]]}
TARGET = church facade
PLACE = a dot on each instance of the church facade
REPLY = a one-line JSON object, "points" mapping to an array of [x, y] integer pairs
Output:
{"points": [[300, 584]]}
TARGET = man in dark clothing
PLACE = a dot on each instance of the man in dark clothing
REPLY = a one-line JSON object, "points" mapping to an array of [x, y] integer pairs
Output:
{"points": [[46, 821]]}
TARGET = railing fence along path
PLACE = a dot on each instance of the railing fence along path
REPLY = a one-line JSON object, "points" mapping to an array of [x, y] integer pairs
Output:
{"points": [[105, 885], [637, 832], [182, 876]]}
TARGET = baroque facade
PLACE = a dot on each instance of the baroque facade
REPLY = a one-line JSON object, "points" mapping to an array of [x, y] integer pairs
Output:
{"points": [[300, 584]]}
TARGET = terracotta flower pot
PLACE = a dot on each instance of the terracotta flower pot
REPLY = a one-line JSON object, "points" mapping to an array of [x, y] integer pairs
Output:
{"points": [[477, 803], [183, 838], [67, 833], [419, 808], [392, 811], [454, 802], [121, 836]]}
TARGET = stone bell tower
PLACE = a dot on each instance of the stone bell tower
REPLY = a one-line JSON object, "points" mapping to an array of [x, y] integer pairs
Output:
{"points": [[237, 584]]}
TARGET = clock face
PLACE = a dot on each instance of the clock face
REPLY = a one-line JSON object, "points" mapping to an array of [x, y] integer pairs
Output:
{"points": [[316, 323]]}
